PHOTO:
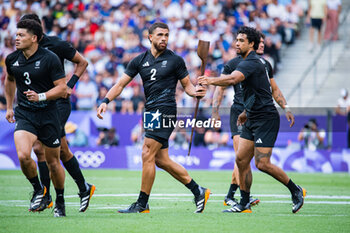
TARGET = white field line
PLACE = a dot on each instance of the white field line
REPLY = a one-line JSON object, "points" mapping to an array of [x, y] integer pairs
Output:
{"points": [[213, 195], [179, 197]]}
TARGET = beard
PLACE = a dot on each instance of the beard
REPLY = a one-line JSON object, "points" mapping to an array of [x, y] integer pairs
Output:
{"points": [[159, 47], [239, 52]]}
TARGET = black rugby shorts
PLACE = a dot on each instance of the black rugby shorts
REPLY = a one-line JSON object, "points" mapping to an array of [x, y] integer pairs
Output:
{"points": [[262, 132], [44, 124]]}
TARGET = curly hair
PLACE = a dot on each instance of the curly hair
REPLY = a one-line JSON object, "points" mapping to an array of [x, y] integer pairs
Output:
{"points": [[252, 35], [32, 27]]}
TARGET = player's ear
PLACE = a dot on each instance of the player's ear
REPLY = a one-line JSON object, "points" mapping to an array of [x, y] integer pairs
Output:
{"points": [[35, 38], [150, 37]]}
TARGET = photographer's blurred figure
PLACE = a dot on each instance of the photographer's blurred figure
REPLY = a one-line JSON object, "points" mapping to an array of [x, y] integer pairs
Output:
{"points": [[108, 137], [180, 138], [312, 136]]}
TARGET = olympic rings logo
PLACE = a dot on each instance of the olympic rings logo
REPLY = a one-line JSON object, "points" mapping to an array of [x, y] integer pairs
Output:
{"points": [[90, 158]]}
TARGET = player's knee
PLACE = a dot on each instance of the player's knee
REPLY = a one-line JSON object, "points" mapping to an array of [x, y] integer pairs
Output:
{"points": [[65, 154], [239, 161], [161, 163], [261, 165], [39, 152], [53, 165], [147, 156], [24, 157]]}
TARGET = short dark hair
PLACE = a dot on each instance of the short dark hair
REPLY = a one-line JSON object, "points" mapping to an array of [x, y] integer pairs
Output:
{"points": [[32, 26], [261, 35], [252, 35], [31, 16], [157, 25]]}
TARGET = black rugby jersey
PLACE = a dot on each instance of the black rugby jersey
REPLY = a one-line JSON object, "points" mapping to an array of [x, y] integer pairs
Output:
{"points": [[228, 69], [257, 92], [61, 48], [159, 76], [37, 73]]}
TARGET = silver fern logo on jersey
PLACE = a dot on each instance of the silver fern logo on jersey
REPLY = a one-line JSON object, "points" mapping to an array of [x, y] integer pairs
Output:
{"points": [[164, 63], [37, 65]]}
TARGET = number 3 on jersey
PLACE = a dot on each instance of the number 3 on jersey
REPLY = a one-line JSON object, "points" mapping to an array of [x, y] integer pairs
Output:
{"points": [[27, 81], [153, 72]]}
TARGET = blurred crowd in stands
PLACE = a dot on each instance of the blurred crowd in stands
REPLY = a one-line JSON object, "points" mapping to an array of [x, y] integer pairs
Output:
{"points": [[109, 33]]}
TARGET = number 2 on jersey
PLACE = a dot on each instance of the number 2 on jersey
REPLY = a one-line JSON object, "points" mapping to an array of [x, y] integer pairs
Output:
{"points": [[153, 72], [27, 81]]}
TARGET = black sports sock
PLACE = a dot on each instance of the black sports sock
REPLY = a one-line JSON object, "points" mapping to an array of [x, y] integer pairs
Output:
{"points": [[291, 186], [44, 175], [143, 199], [244, 198], [59, 196], [72, 166], [194, 187], [232, 191], [36, 183]]}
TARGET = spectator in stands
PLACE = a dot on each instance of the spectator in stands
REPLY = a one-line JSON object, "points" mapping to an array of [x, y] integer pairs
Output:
{"points": [[312, 136], [273, 43], [215, 138], [241, 14], [343, 108], [137, 134], [343, 103], [291, 25], [75, 136], [276, 10], [86, 92], [138, 100], [333, 12], [316, 16], [111, 33], [108, 137], [296, 9], [180, 138]]}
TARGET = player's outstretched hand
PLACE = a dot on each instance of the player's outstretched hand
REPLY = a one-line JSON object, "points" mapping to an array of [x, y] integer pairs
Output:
{"points": [[32, 96], [101, 109], [9, 116], [242, 118], [202, 80], [200, 91], [290, 118]]}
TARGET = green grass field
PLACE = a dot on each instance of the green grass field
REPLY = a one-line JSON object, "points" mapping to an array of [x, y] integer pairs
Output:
{"points": [[326, 209]]}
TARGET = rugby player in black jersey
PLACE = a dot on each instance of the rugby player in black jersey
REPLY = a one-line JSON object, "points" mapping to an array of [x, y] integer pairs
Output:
{"points": [[260, 117], [237, 108], [63, 50], [160, 70], [40, 80]]}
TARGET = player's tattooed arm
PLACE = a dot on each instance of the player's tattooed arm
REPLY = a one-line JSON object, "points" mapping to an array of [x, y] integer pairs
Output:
{"points": [[281, 101], [277, 94]]}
